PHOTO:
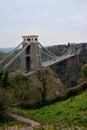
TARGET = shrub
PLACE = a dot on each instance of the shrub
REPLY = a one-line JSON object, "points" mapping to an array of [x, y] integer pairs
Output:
{"points": [[71, 92], [84, 73], [19, 90], [81, 80], [3, 78], [3, 95], [3, 105], [84, 70]]}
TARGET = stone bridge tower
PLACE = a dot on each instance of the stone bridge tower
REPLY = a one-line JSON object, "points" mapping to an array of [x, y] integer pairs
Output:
{"points": [[30, 58]]}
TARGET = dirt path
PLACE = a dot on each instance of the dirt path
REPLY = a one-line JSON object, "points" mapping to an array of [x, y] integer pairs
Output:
{"points": [[26, 120]]}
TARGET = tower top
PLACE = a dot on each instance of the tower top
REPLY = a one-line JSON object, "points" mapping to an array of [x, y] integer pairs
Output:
{"points": [[29, 38]]}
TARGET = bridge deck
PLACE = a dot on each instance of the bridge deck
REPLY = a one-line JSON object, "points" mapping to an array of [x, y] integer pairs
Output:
{"points": [[53, 61]]}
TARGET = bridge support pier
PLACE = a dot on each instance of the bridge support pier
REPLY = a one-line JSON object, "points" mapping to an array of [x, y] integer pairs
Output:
{"points": [[30, 58]]}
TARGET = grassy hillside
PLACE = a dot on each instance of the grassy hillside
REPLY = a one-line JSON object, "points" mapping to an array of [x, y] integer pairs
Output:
{"points": [[73, 111]]}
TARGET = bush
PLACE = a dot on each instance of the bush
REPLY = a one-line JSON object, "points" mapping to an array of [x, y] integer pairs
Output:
{"points": [[19, 91], [84, 70], [3, 78], [81, 80], [3, 105], [3, 95], [70, 93], [84, 74]]}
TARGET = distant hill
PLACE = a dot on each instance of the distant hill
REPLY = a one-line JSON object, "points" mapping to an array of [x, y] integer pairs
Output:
{"points": [[6, 50]]}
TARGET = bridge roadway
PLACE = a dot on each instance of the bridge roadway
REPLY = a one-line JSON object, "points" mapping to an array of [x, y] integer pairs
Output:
{"points": [[56, 60]]}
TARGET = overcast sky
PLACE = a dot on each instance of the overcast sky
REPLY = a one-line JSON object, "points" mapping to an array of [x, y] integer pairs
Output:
{"points": [[55, 21]]}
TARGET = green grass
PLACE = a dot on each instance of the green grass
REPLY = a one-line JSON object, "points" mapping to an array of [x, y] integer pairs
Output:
{"points": [[13, 123], [72, 111]]}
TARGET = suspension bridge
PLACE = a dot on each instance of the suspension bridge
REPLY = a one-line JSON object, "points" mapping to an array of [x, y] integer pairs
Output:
{"points": [[30, 56]]}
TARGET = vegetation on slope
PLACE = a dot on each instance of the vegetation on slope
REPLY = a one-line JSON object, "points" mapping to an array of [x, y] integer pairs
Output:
{"points": [[41, 87], [4, 103], [36, 89], [84, 73], [28, 91], [72, 111]]}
